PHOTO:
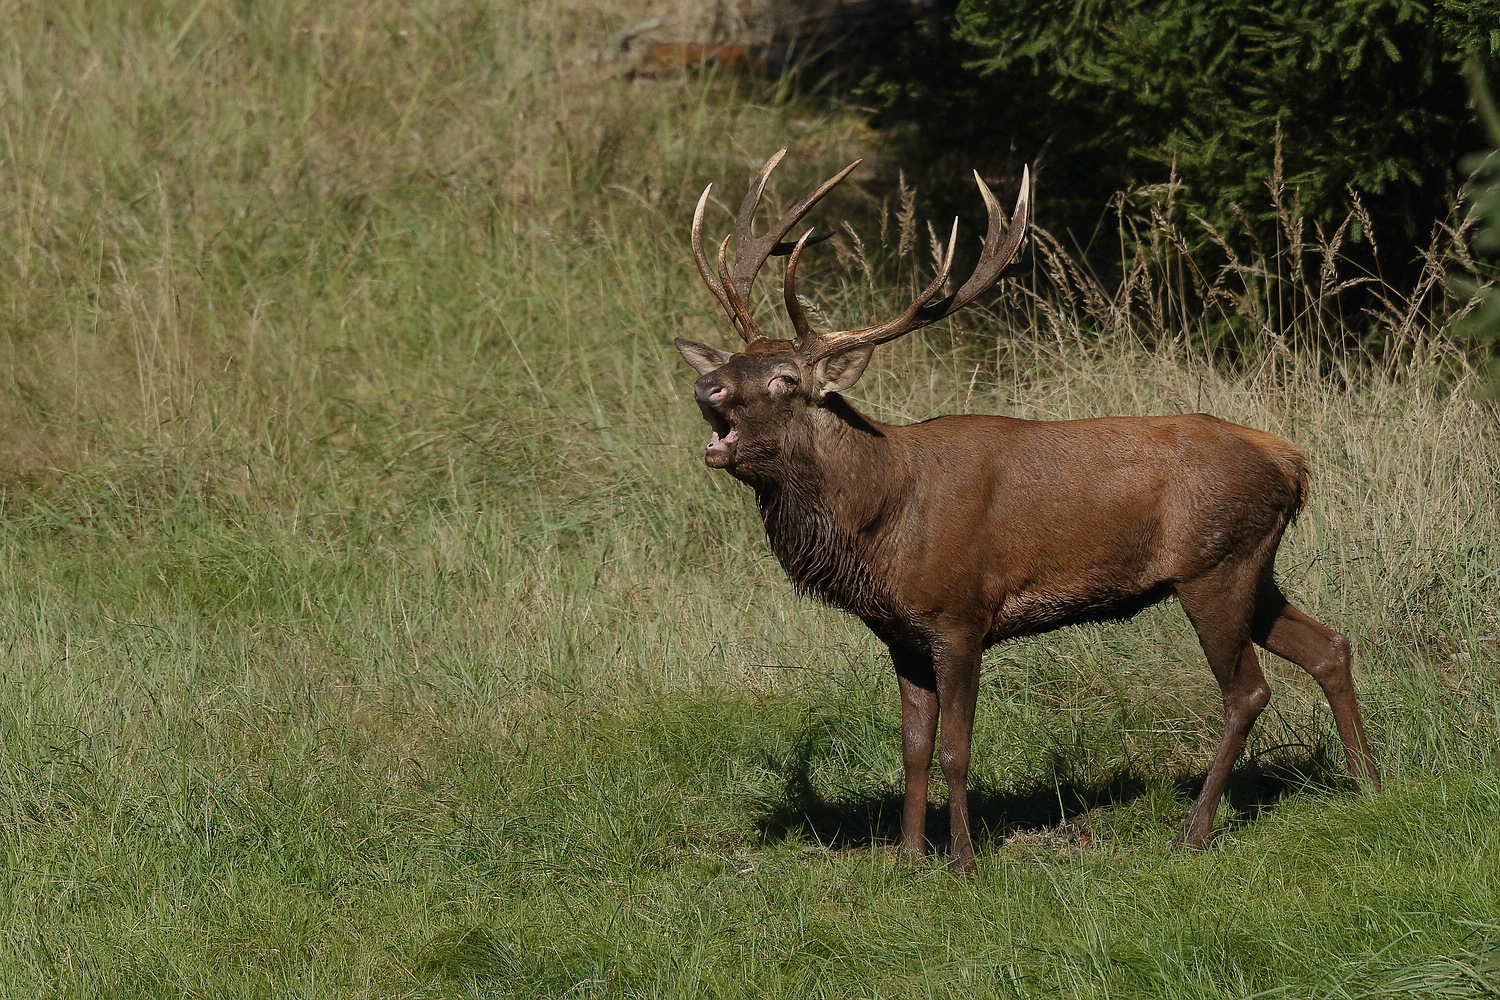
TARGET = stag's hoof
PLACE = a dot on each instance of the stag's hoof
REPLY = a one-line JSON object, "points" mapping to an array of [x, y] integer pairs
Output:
{"points": [[1191, 839], [962, 863]]}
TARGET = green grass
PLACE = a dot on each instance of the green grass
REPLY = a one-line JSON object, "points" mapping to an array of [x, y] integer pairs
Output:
{"points": [[372, 628]]}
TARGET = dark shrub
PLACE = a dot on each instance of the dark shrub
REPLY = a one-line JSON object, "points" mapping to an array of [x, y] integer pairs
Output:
{"points": [[1112, 95]]}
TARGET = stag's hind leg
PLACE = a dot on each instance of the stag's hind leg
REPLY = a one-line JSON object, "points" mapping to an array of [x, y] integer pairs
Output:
{"points": [[1323, 653], [1220, 604]]}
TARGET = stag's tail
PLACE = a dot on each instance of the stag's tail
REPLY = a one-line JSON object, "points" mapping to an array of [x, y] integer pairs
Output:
{"points": [[1288, 458], [1294, 464]]}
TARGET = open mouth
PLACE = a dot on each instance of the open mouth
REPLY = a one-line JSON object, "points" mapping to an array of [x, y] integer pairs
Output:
{"points": [[720, 450]]}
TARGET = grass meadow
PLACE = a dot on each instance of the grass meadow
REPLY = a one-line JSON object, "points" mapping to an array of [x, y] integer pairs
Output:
{"points": [[372, 628]]}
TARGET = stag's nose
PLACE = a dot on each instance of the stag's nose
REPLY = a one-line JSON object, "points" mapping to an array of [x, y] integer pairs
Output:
{"points": [[710, 393]]}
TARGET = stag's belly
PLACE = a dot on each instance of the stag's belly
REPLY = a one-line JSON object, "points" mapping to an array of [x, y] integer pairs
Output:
{"points": [[1032, 613]]}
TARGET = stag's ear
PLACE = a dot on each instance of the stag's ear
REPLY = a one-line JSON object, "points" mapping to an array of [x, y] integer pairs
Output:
{"points": [[703, 358], [838, 372]]}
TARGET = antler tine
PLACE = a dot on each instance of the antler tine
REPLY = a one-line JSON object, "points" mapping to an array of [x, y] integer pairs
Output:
{"points": [[701, 258], [805, 332], [751, 252], [746, 216], [996, 256], [739, 312], [732, 287], [1000, 245]]}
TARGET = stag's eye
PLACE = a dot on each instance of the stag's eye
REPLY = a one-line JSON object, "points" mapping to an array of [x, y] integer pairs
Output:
{"points": [[782, 384]]}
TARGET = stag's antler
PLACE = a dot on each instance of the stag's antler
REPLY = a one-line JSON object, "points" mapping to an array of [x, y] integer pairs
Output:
{"points": [[1000, 246], [732, 289]]}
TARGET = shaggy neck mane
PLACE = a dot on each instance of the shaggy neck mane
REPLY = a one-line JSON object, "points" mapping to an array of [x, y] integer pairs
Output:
{"points": [[821, 517]]}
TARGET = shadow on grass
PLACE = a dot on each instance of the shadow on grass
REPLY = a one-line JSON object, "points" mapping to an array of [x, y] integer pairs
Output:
{"points": [[1065, 808]]}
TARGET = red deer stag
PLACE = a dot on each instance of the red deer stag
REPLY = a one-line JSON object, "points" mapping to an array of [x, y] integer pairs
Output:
{"points": [[948, 536]]}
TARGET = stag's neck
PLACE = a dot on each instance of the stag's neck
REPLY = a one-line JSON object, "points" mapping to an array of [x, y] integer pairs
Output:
{"points": [[827, 513]]}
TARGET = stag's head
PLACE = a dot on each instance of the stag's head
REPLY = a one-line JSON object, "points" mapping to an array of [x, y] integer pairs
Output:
{"points": [[754, 399]]}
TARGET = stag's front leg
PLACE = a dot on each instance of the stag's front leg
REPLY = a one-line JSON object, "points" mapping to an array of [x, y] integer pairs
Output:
{"points": [[919, 719], [956, 666]]}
